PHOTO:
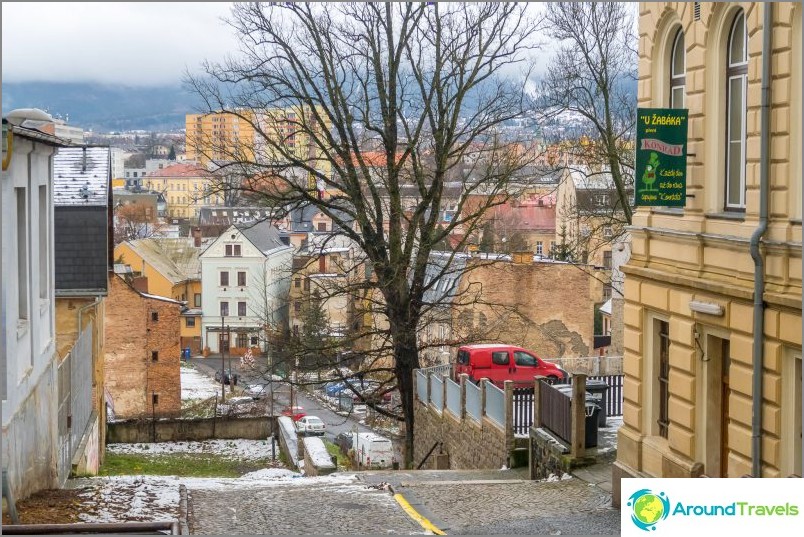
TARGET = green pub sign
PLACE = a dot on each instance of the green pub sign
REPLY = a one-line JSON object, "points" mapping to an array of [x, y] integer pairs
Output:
{"points": [[661, 157]]}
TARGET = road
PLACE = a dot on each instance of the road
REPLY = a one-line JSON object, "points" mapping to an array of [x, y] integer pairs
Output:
{"points": [[336, 423]]}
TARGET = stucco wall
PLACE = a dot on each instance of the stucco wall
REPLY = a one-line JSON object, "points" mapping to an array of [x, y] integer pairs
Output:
{"points": [[553, 321], [174, 430]]}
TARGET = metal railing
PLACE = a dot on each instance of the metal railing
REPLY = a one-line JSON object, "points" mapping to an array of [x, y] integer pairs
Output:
{"points": [[142, 528], [555, 412], [495, 403], [453, 397], [590, 365], [80, 387], [441, 369], [523, 410], [612, 397], [474, 406]]}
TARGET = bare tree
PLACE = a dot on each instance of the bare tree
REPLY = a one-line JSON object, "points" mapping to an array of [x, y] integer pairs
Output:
{"points": [[589, 76], [418, 82], [135, 221]]}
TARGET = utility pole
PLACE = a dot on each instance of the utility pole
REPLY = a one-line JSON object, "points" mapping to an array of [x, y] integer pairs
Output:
{"points": [[221, 344], [231, 384]]}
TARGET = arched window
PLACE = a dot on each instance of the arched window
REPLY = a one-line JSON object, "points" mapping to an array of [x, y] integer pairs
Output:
{"points": [[736, 88], [678, 71]]}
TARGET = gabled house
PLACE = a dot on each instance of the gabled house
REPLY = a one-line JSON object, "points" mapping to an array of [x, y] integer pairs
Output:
{"points": [[83, 251], [245, 278], [142, 369], [168, 267], [36, 437]]}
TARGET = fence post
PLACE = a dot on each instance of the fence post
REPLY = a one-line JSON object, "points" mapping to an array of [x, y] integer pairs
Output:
{"points": [[428, 388], [578, 446], [483, 382], [463, 378], [443, 392], [537, 410], [509, 410]]}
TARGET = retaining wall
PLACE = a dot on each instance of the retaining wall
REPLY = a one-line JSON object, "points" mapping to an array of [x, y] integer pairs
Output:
{"points": [[172, 430]]}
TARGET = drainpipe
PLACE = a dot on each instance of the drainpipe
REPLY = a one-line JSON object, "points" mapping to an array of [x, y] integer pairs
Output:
{"points": [[756, 237]]}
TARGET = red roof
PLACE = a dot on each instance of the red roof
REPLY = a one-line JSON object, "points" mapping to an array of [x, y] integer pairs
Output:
{"points": [[180, 170]]}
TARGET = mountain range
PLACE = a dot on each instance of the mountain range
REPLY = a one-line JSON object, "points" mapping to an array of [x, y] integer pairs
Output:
{"points": [[104, 108]]}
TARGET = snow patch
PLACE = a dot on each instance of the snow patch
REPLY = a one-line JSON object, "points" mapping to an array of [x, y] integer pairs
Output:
{"points": [[195, 385], [228, 449]]}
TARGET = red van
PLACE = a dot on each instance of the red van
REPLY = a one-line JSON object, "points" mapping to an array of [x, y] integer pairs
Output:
{"points": [[499, 363]]}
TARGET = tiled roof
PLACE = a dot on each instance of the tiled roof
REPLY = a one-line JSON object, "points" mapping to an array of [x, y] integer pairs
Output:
{"points": [[176, 259], [180, 170], [81, 176], [262, 235]]}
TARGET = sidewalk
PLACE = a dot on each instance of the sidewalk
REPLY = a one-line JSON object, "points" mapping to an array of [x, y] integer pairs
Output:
{"points": [[457, 501]]}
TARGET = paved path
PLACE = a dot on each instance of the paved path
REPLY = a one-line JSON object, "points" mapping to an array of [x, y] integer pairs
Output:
{"points": [[488, 502], [305, 509]]}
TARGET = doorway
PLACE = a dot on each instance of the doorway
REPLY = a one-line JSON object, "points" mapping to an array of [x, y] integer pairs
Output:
{"points": [[717, 364]]}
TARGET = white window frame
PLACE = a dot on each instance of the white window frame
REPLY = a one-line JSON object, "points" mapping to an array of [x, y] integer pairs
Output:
{"points": [[743, 77], [678, 80]]}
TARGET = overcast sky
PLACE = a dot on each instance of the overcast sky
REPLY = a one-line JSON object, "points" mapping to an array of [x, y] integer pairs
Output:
{"points": [[129, 43]]}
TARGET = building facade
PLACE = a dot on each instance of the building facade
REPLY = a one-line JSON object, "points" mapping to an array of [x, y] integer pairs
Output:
{"points": [[35, 437], [142, 371], [245, 277], [83, 253], [185, 187], [713, 334]]}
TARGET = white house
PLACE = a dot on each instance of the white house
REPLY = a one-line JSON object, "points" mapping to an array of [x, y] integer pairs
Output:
{"points": [[245, 280], [35, 438]]}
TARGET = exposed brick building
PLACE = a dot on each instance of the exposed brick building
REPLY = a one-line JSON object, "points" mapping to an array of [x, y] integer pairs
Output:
{"points": [[142, 352]]}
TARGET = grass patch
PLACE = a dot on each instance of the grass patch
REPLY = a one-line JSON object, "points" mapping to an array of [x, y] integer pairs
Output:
{"points": [[180, 464], [343, 460]]}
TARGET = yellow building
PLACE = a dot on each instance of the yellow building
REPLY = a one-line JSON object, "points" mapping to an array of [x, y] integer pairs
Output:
{"points": [[168, 268], [696, 334], [186, 188], [226, 136]]}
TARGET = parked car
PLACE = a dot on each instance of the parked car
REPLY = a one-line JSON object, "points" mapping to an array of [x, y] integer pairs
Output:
{"points": [[294, 412], [344, 442], [311, 425], [228, 378], [372, 450], [258, 391], [499, 363]]}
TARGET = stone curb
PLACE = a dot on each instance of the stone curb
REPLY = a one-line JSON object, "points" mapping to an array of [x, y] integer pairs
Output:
{"points": [[417, 511], [184, 510]]}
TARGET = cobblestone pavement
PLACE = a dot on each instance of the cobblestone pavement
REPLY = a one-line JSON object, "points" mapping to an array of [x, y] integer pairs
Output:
{"points": [[327, 509], [488, 502]]}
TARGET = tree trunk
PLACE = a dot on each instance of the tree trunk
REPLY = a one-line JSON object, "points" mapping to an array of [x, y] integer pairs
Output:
{"points": [[407, 359]]}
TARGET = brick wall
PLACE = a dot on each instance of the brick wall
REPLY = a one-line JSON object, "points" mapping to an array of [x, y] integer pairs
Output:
{"points": [[469, 444], [552, 320], [131, 374]]}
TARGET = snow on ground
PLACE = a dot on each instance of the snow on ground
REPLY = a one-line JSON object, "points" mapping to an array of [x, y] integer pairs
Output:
{"points": [[195, 385], [149, 498], [227, 449]]}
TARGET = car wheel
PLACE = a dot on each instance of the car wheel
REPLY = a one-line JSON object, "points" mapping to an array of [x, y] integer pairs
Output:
{"points": [[552, 379]]}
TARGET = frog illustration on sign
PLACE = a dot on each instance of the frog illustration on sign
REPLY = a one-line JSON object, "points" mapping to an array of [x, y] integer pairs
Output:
{"points": [[649, 177]]}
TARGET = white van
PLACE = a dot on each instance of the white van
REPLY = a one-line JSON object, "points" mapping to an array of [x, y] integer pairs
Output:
{"points": [[372, 451]]}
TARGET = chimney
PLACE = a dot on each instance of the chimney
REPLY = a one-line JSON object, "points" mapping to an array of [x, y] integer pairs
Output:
{"points": [[197, 237], [140, 283]]}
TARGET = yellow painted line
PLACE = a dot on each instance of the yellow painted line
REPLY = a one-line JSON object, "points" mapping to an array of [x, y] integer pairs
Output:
{"points": [[423, 522]]}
